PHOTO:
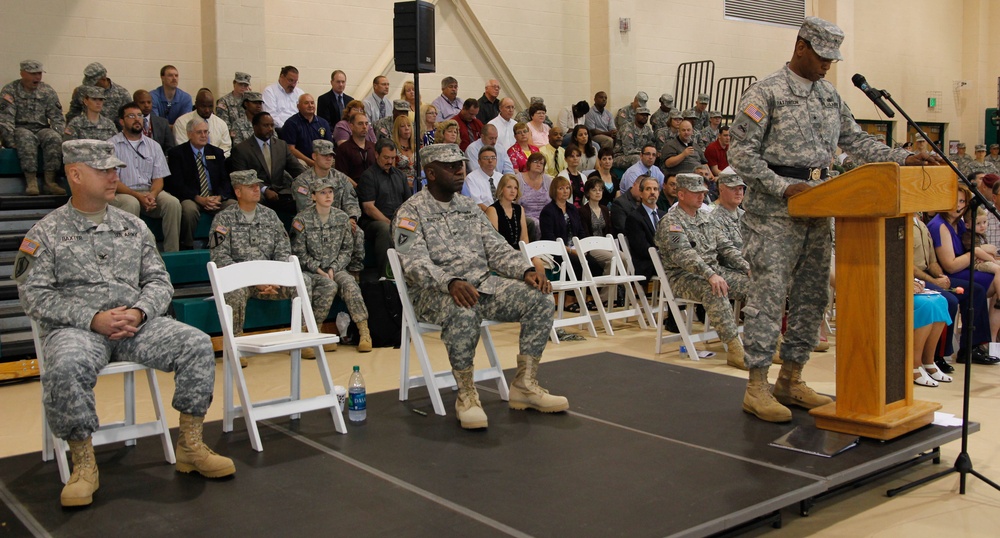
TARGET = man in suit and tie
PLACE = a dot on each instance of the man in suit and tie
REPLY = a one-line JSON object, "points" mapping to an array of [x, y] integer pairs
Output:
{"points": [[274, 163], [153, 126], [198, 178], [702, 264], [330, 105], [640, 226]]}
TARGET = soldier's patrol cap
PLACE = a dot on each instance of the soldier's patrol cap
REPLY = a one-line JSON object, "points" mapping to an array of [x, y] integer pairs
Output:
{"points": [[729, 178], [642, 98], [667, 99], [691, 182], [441, 153], [675, 114], [401, 105], [715, 114], [31, 66], [704, 98], [961, 145], [97, 154], [245, 177], [824, 37], [95, 69], [980, 147], [323, 147], [94, 92], [536, 100], [690, 114], [642, 110], [241, 78], [253, 97], [994, 146], [322, 183]]}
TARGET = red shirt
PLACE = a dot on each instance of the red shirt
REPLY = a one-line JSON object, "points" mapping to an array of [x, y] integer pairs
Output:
{"points": [[468, 132], [716, 156]]}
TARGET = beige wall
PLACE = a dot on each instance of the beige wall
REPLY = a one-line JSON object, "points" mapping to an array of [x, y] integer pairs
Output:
{"points": [[563, 50]]}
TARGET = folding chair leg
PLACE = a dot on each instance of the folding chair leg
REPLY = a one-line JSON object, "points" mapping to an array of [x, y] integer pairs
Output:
{"points": [[491, 353], [631, 299], [128, 382], [324, 374], [404, 366], [685, 328], [644, 303], [428, 372], [227, 393], [161, 417], [601, 312], [247, 406], [582, 299], [295, 393]]}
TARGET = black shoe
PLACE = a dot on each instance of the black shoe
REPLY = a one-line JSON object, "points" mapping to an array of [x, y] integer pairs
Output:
{"points": [[943, 365], [979, 356], [671, 325]]}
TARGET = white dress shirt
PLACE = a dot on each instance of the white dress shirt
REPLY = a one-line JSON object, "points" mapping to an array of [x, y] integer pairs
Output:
{"points": [[504, 166], [218, 131], [477, 186], [280, 104], [505, 131]]}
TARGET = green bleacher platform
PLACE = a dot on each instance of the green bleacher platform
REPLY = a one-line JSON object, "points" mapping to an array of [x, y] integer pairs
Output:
{"points": [[9, 164]]}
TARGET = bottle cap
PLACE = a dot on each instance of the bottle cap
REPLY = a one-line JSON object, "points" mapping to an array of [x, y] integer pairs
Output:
{"points": [[357, 368]]}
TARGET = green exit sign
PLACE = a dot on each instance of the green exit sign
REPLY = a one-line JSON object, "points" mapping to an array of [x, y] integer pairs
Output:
{"points": [[931, 102]]}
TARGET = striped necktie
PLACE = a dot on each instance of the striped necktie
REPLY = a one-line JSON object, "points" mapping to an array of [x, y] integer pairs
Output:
{"points": [[202, 176]]}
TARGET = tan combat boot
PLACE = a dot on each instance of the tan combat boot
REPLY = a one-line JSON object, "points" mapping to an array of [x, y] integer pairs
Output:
{"points": [[364, 337], [308, 353], [31, 184], [330, 347], [79, 489], [791, 390], [51, 185], [735, 355], [759, 401], [467, 407], [193, 455], [526, 393]]}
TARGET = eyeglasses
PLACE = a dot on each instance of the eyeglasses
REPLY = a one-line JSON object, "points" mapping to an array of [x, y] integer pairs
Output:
{"points": [[488, 159], [133, 116]]}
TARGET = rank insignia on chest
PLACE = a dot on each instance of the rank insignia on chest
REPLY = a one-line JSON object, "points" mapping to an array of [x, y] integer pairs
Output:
{"points": [[297, 225], [754, 112]]}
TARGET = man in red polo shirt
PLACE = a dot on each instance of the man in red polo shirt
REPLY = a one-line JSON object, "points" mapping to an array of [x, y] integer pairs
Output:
{"points": [[715, 153]]}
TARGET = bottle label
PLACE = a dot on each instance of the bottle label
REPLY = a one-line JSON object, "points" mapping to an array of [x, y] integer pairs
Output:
{"points": [[356, 401]]}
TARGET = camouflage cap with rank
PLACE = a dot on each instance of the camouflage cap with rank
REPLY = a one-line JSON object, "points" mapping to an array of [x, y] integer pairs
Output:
{"points": [[643, 109], [241, 78], [823, 36], [319, 184], [97, 154], [253, 97], [642, 98], [704, 98], [441, 153], [400, 105], [729, 178], [323, 147], [94, 92], [667, 100], [961, 145], [690, 114], [675, 114], [244, 177], [95, 70], [994, 146], [31, 66], [691, 182], [980, 147], [715, 114]]}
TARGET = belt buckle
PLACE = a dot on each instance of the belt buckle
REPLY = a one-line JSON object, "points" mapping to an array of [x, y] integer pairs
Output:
{"points": [[815, 174]]}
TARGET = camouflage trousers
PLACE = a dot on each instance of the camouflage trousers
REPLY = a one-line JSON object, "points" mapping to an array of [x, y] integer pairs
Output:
{"points": [[322, 292], [74, 357], [27, 144], [718, 309], [237, 300], [625, 161], [789, 259], [514, 301]]}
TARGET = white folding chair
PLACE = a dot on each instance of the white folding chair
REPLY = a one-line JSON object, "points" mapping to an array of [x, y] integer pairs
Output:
{"points": [[567, 281], [640, 288], [413, 331], [618, 276], [293, 340], [126, 430]]}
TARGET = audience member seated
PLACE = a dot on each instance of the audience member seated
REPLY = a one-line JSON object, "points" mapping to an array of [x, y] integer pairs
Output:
{"points": [[573, 115], [342, 130], [580, 138], [281, 99], [987, 261], [610, 179], [600, 123], [640, 227], [481, 183], [668, 196], [522, 148], [448, 104], [534, 192], [715, 153], [446, 132], [930, 316], [406, 144], [555, 155], [623, 205], [700, 112], [702, 265], [91, 124], [594, 214], [323, 242], [331, 105], [428, 125], [242, 127], [727, 212], [645, 166], [357, 153], [140, 183], [382, 188], [505, 123], [31, 120], [506, 215], [711, 133], [408, 93], [153, 126], [377, 105], [270, 159], [559, 219], [632, 137], [489, 103], [303, 127], [198, 178], [115, 95], [626, 114], [573, 173], [661, 116], [469, 126], [169, 101], [680, 156], [537, 127], [229, 107], [204, 107], [713, 187], [383, 129], [524, 116], [489, 138]]}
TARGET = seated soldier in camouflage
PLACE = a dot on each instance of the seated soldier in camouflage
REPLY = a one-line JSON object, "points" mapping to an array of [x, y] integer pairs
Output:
{"points": [[31, 120], [89, 274], [91, 123], [242, 126], [322, 239], [245, 231], [702, 264], [460, 272]]}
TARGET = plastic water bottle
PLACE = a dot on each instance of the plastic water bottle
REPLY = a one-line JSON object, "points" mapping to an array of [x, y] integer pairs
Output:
{"points": [[684, 350], [357, 408]]}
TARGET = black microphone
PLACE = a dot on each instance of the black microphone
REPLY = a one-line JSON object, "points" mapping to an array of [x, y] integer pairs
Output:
{"points": [[872, 93]]}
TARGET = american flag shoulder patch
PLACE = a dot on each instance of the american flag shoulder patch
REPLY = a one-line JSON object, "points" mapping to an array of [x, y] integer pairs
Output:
{"points": [[408, 224], [29, 247], [675, 228], [754, 112], [222, 229]]}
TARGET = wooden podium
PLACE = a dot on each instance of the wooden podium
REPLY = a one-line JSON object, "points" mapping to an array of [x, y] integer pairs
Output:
{"points": [[873, 206]]}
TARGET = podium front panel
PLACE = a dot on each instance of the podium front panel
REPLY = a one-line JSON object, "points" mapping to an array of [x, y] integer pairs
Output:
{"points": [[897, 270]]}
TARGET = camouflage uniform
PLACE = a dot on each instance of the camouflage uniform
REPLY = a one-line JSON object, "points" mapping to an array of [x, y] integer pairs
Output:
{"points": [[728, 223], [241, 128], [68, 269], [115, 95], [30, 120], [661, 118], [786, 123], [629, 143], [625, 116], [327, 245], [235, 238], [661, 137], [993, 159], [439, 244], [699, 120], [230, 108], [81, 127], [692, 250]]}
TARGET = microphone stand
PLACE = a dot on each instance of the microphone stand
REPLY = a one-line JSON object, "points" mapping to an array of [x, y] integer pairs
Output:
{"points": [[963, 464]]}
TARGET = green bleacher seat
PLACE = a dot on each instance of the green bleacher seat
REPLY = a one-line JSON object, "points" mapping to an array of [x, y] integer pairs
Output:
{"points": [[9, 163], [187, 266]]}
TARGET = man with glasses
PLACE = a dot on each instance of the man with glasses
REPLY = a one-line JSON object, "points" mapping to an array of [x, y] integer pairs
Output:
{"points": [[481, 183], [787, 129], [644, 167], [489, 104]]}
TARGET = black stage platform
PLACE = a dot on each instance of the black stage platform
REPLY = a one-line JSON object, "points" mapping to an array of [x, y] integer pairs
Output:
{"points": [[648, 449]]}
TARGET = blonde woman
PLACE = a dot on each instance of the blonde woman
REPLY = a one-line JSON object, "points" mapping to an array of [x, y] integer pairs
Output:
{"points": [[409, 95], [446, 132], [428, 124], [506, 215], [406, 143]]}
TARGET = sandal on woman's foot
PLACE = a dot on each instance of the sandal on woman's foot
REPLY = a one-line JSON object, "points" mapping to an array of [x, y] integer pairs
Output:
{"points": [[936, 374], [923, 379], [572, 308]]}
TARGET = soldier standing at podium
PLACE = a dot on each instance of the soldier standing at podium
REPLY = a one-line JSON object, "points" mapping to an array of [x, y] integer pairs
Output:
{"points": [[788, 127]]}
